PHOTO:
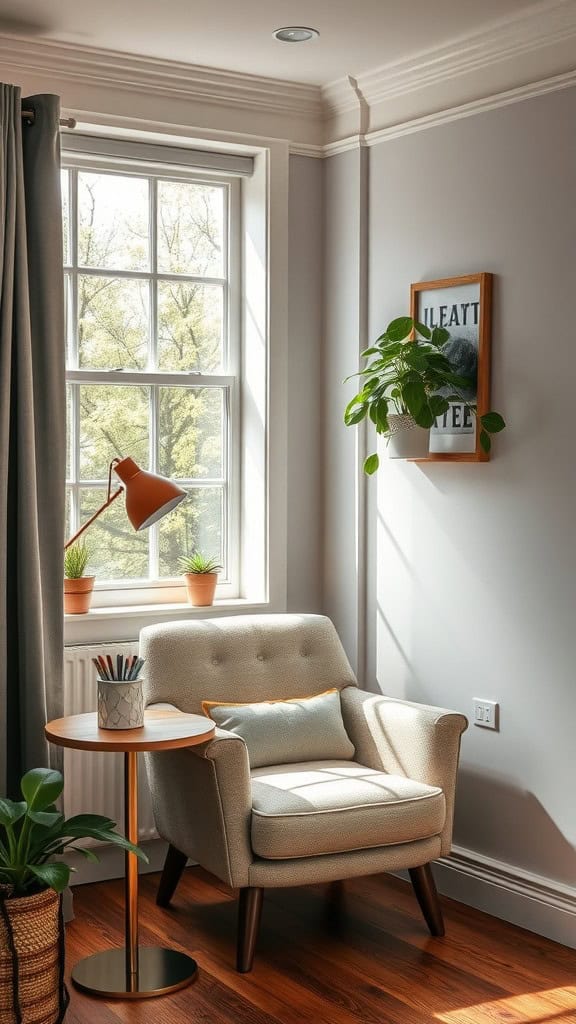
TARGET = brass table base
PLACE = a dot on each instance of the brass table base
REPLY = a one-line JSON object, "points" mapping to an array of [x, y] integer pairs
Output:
{"points": [[159, 971]]}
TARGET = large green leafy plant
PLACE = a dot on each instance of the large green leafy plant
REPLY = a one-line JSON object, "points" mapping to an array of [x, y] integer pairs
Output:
{"points": [[33, 833], [411, 377]]}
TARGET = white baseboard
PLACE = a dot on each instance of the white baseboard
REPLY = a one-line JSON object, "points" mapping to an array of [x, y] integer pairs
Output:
{"points": [[530, 901]]}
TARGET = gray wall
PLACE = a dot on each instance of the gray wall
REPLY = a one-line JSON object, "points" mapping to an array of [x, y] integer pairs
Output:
{"points": [[344, 315], [471, 569], [304, 582]]}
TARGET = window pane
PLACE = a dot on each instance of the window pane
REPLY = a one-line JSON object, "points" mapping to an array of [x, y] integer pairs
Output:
{"points": [[116, 551], [68, 527], [113, 421], [64, 188], [113, 323], [190, 229], [113, 218], [190, 432], [69, 428], [68, 325], [190, 326], [196, 524]]}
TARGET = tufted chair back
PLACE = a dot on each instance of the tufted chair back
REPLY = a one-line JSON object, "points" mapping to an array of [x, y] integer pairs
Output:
{"points": [[242, 658]]}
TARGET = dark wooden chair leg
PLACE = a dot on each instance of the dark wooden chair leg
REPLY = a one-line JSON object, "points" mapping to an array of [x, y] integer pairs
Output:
{"points": [[334, 906], [173, 867], [249, 914], [426, 893]]}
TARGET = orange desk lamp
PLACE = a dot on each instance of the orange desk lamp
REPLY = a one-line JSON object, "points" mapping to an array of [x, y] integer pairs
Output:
{"points": [[149, 497]]}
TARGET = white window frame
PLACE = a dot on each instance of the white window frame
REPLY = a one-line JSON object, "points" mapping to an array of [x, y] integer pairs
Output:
{"points": [[132, 592], [264, 240]]}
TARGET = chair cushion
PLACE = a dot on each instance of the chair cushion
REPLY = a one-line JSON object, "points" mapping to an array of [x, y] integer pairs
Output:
{"points": [[321, 807], [300, 729]]}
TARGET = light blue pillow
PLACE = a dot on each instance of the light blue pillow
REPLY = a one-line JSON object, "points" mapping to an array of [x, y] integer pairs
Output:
{"points": [[287, 731]]}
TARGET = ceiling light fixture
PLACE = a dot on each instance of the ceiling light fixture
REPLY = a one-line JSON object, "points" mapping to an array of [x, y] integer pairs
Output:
{"points": [[295, 34]]}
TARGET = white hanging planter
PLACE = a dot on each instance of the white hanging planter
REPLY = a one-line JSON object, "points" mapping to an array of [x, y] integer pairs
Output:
{"points": [[406, 440]]}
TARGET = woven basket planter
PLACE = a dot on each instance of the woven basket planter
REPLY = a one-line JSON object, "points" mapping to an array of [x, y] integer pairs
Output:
{"points": [[32, 987]]}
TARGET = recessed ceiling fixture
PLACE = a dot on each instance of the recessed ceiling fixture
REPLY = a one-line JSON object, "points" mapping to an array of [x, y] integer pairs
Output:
{"points": [[295, 34]]}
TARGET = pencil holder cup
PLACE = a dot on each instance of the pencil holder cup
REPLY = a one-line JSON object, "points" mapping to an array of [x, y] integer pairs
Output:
{"points": [[120, 704]]}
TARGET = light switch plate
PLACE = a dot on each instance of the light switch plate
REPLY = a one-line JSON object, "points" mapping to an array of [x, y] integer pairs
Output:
{"points": [[486, 713]]}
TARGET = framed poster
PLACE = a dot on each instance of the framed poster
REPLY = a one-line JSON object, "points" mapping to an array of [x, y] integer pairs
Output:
{"points": [[463, 306]]}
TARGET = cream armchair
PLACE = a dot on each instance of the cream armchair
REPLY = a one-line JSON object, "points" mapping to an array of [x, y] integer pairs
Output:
{"points": [[390, 807]]}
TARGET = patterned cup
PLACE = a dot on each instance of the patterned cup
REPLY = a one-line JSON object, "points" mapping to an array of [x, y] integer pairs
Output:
{"points": [[120, 704]]}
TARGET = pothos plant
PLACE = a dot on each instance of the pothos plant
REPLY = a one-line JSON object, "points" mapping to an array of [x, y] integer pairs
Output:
{"points": [[407, 373], [34, 834]]}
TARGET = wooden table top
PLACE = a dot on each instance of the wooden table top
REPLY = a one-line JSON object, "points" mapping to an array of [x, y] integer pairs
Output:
{"points": [[162, 730]]}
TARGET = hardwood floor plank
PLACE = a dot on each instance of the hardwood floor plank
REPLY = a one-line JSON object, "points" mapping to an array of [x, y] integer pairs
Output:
{"points": [[364, 958]]}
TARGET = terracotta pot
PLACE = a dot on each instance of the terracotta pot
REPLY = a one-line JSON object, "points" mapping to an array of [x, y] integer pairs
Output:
{"points": [[78, 595], [407, 440], [201, 587], [31, 928]]}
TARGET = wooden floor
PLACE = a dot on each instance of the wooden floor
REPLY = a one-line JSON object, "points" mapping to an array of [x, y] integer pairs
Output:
{"points": [[368, 960]]}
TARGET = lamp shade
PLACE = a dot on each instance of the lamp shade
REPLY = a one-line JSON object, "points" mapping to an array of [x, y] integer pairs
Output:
{"points": [[149, 497]]}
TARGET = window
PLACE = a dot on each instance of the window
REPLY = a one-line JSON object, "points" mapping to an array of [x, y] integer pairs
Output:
{"points": [[152, 292]]}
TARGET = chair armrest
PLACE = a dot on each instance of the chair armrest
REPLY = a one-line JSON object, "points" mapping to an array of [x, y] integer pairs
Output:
{"points": [[202, 802], [404, 738]]}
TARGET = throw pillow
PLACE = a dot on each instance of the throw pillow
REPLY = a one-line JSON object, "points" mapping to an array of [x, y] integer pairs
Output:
{"points": [[287, 731]]}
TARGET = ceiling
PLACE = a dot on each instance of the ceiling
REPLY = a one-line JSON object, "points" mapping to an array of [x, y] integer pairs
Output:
{"points": [[355, 37]]}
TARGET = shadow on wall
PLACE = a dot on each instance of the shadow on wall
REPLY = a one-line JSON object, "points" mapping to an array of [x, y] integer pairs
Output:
{"points": [[493, 814]]}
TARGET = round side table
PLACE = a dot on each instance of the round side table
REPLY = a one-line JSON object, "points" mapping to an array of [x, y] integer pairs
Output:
{"points": [[134, 972]]}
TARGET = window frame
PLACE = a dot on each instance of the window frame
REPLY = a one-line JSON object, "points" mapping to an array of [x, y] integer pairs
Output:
{"points": [[169, 590]]}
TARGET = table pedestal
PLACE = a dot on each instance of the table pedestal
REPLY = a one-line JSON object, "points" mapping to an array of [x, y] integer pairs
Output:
{"points": [[135, 972]]}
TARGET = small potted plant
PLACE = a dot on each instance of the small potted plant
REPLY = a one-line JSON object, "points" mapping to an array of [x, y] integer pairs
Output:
{"points": [[33, 835], [201, 575], [408, 382], [77, 587]]}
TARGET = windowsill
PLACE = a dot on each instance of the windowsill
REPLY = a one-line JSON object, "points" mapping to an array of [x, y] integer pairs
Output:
{"points": [[152, 611], [123, 623]]}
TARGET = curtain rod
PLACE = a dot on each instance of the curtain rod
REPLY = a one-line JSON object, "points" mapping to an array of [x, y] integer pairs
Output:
{"points": [[65, 122]]}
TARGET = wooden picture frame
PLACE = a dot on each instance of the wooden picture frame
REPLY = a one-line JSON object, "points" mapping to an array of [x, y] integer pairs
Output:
{"points": [[463, 306]]}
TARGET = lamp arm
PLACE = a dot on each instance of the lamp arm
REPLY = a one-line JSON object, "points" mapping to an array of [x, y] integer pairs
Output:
{"points": [[109, 499], [107, 503]]}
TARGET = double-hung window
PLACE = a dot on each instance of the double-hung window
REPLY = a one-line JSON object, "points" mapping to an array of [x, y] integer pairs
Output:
{"points": [[153, 335]]}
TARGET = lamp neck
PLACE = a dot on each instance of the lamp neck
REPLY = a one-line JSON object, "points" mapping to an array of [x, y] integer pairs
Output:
{"points": [[107, 503], [110, 497]]}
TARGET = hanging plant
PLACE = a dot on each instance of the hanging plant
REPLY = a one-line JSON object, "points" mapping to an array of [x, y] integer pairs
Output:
{"points": [[404, 374]]}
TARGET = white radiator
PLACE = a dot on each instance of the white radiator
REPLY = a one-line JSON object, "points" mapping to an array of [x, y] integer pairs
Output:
{"points": [[94, 782]]}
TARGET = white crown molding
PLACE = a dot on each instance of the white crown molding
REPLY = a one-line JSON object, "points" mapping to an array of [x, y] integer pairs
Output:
{"points": [[420, 124], [108, 68], [307, 149], [545, 25], [429, 89], [339, 96], [480, 106], [345, 145]]}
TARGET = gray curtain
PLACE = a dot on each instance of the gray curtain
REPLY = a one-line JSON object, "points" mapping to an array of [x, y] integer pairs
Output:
{"points": [[32, 433]]}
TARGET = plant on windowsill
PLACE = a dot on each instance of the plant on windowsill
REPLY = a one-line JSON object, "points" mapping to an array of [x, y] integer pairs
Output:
{"points": [[201, 575], [408, 382], [77, 587], [33, 836]]}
